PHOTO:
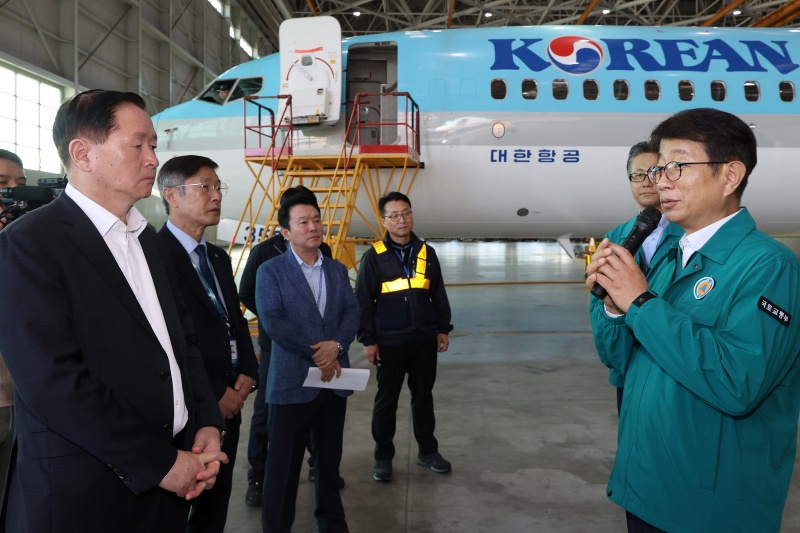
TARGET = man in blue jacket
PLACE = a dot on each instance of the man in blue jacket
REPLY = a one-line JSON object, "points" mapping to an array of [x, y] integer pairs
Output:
{"points": [[308, 309], [709, 346], [641, 157]]}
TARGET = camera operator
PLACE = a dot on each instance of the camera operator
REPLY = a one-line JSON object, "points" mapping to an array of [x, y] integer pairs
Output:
{"points": [[11, 175]]}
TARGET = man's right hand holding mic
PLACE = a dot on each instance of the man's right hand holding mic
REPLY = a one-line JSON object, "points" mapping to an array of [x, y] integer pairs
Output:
{"points": [[615, 269]]}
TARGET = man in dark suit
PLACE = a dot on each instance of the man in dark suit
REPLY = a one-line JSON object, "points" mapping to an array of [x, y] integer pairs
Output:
{"points": [[308, 308], [117, 426], [192, 195], [257, 446]]}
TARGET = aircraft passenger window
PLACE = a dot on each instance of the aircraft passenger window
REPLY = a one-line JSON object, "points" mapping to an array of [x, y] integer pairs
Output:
{"points": [[652, 91], [787, 91], [751, 91], [686, 90], [718, 91], [621, 89], [560, 89], [499, 89], [530, 89], [590, 89]]}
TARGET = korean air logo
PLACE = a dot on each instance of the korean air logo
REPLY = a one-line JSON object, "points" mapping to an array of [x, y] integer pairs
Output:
{"points": [[575, 55], [703, 287]]}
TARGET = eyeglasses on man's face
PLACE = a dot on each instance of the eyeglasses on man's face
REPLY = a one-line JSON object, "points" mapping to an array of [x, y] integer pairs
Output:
{"points": [[637, 177], [673, 169], [220, 187], [395, 217]]}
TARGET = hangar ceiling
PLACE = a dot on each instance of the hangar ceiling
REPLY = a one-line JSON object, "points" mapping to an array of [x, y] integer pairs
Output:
{"points": [[378, 16]]}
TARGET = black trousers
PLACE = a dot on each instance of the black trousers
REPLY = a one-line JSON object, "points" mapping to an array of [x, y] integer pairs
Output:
{"points": [[637, 525], [210, 510], [418, 360], [290, 426], [259, 430]]}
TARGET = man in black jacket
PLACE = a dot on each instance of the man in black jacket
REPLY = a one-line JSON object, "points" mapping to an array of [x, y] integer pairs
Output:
{"points": [[192, 194], [273, 247], [405, 319]]}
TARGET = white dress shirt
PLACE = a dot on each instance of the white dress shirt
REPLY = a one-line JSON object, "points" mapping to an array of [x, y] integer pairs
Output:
{"points": [[123, 242]]}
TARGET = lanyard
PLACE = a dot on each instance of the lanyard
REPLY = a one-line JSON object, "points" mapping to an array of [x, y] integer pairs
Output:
{"points": [[407, 267], [212, 295]]}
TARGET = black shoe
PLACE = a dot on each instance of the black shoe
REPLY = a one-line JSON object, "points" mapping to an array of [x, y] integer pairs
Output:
{"points": [[435, 462], [382, 470], [253, 496]]}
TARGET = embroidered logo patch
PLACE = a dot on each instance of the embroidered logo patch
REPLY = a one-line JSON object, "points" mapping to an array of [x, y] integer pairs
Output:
{"points": [[703, 287], [774, 311]]}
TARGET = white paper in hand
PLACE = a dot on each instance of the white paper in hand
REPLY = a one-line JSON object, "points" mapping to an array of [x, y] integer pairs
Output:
{"points": [[351, 379]]}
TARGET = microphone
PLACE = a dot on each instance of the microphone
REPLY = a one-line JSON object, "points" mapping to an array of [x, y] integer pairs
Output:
{"points": [[645, 224], [28, 193]]}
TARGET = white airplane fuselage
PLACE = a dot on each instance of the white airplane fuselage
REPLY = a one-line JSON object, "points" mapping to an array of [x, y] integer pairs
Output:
{"points": [[536, 162]]}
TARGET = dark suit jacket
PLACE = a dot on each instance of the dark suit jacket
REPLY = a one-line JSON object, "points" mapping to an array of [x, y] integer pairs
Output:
{"points": [[211, 332], [287, 307], [94, 398]]}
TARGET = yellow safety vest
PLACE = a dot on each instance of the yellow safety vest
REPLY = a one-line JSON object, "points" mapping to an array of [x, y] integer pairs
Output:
{"points": [[403, 284]]}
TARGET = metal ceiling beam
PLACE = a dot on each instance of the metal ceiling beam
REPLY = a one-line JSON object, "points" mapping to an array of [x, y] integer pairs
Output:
{"points": [[780, 16], [402, 15]]}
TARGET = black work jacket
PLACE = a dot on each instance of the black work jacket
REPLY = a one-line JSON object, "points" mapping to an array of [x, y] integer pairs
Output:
{"points": [[401, 304]]}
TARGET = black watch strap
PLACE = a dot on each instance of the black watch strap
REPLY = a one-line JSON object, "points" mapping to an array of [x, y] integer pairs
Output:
{"points": [[642, 298]]}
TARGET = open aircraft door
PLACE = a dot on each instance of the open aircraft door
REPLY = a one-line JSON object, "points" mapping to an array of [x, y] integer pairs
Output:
{"points": [[311, 69]]}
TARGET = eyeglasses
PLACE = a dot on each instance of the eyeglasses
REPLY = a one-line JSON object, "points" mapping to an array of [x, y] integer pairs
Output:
{"points": [[637, 177], [673, 170], [220, 187], [394, 217]]}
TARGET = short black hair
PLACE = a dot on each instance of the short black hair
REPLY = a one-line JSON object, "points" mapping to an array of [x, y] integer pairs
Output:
{"points": [[179, 169], [11, 156], [298, 189], [91, 114], [638, 149], [286, 206], [724, 136], [393, 196]]}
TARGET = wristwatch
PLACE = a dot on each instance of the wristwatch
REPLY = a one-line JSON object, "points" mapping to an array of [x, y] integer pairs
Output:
{"points": [[642, 298], [222, 433], [339, 347]]}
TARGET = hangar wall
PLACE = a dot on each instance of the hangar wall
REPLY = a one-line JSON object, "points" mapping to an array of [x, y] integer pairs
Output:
{"points": [[165, 50]]}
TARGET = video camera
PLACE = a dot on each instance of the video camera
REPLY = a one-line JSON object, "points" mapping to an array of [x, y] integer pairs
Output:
{"points": [[17, 201]]}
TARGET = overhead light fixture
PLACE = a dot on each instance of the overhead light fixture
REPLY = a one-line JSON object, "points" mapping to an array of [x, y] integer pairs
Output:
{"points": [[737, 12], [356, 13], [606, 11], [487, 15]]}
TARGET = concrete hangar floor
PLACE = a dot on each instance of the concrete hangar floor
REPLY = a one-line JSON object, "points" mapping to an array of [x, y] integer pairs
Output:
{"points": [[524, 411]]}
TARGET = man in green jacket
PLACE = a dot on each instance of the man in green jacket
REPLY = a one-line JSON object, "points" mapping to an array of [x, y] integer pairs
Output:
{"points": [[641, 157], [708, 345]]}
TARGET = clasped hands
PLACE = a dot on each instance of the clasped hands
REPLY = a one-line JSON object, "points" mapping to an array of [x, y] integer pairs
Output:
{"points": [[233, 400], [326, 358], [615, 269], [196, 471]]}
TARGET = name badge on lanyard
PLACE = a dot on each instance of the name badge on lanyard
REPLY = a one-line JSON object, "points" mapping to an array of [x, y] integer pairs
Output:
{"points": [[234, 352]]}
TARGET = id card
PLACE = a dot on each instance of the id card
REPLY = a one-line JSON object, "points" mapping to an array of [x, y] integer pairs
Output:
{"points": [[234, 353]]}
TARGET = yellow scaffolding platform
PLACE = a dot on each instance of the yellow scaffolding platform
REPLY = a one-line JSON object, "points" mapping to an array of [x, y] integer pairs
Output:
{"points": [[359, 174]]}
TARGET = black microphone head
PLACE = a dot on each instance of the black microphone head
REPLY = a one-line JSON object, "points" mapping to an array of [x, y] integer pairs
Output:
{"points": [[650, 217], [29, 193]]}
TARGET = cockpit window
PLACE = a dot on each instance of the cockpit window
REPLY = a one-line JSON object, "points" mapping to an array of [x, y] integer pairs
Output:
{"points": [[222, 91]]}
